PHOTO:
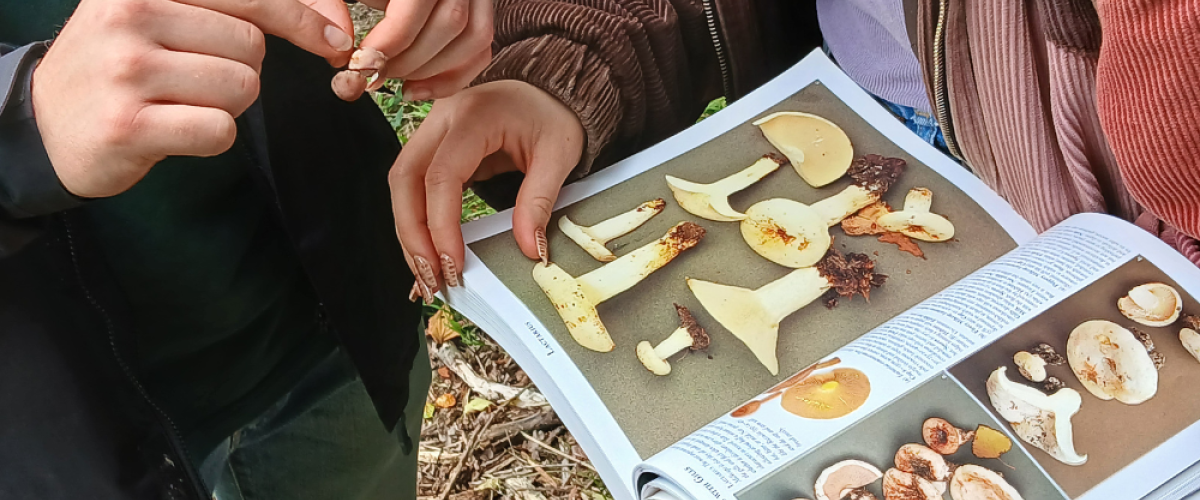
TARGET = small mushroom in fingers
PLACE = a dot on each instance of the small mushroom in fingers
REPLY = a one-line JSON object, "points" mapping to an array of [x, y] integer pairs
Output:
{"points": [[711, 201], [593, 238], [690, 335]]}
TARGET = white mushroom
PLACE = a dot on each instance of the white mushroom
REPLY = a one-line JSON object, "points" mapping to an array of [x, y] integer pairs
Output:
{"points": [[1190, 336], [916, 221], [923, 461], [1040, 420], [593, 238], [711, 201], [793, 234], [689, 335], [838, 480], [576, 298], [818, 149], [900, 485], [1031, 366], [1152, 304], [753, 316], [972, 482], [1111, 362]]}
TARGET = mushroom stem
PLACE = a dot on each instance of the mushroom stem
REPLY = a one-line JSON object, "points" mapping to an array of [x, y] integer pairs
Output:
{"points": [[679, 340], [711, 201], [918, 200], [593, 238], [619, 275], [916, 221], [844, 204]]}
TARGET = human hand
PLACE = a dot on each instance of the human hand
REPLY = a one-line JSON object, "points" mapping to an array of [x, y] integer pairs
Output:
{"points": [[436, 46], [483, 131], [129, 82]]}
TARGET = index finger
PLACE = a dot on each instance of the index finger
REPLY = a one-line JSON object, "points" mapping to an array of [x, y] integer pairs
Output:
{"points": [[291, 20], [407, 183], [401, 23]]}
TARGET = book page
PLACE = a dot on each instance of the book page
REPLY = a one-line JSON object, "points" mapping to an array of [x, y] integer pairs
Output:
{"points": [[630, 414], [934, 360]]}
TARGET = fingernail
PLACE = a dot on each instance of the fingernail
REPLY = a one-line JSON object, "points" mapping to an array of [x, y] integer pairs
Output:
{"points": [[338, 39], [426, 293], [417, 94], [450, 271], [425, 272], [415, 293], [543, 247]]}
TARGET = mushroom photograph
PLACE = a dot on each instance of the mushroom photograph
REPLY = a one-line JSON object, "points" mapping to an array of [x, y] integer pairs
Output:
{"points": [[772, 241], [1096, 381]]}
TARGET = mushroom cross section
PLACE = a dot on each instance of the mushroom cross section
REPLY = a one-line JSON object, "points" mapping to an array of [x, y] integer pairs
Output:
{"points": [[819, 150], [845, 476], [711, 201], [1040, 420], [753, 316], [576, 298], [972, 482], [1152, 304], [593, 238], [690, 335], [916, 221], [908, 486], [792, 234]]}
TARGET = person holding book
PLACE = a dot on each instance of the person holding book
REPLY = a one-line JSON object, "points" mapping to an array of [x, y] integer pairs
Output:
{"points": [[1061, 107], [201, 291]]}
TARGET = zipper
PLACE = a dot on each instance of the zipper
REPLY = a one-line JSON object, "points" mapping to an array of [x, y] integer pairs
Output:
{"points": [[941, 90], [173, 434], [710, 15]]}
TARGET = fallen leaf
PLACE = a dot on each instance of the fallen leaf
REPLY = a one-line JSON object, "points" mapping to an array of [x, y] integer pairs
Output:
{"points": [[444, 373], [428, 411], [445, 400], [863, 222], [491, 483], [440, 328], [905, 243], [476, 404], [990, 443]]}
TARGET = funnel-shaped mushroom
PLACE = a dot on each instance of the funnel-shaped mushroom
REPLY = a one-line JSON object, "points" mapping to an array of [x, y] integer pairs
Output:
{"points": [[1111, 362], [1040, 420], [576, 298], [793, 234], [711, 201], [827, 395], [593, 238], [1152, 304], [690, 335], [818, 149], [916, 221], [972, 482], [837, 480], [753, 316]]}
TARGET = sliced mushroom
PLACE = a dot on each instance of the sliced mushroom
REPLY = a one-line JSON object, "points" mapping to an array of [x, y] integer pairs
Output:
{"points": [[690, 335], [361, 75], [1152, 304], [793, 234], [576, 298], [711, 201], [972, 482], [753, 316], [916, 221], [1111, 362], [593, 238], [838, 480], [922, 461], [828, 395], [1040, 420], [1031, 366], [900, 485], [943, 437], [1190, 335], [818, 149]]}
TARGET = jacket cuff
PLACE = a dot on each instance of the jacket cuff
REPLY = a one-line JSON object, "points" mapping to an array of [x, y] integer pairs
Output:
{"points": [[571, 73], [29, 185]]}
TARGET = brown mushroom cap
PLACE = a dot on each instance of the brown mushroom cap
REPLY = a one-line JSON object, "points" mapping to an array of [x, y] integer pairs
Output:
{"points": [[700, 338], [943, 437], [828, 395], [876, 173], [851, 274]]}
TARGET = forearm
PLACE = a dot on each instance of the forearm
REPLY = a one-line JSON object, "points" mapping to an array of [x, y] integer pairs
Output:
{"points": [[29, 185]]}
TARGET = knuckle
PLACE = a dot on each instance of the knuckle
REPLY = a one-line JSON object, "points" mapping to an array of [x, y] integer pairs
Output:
{"points": [[255, 42], [118, 127], [221, 133], [125, 13], [456, 15], [130, 65], [438, 175]]}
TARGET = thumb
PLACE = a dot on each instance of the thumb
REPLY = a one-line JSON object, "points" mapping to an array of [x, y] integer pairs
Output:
{"points": [[535, 200], [338, 12]]}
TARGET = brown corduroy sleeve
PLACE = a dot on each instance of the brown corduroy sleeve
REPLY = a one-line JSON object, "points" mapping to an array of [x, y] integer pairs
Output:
{"points": [[628, 68]]}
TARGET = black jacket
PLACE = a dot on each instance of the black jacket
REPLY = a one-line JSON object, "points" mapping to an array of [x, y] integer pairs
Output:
{"points": [[75, 421]]}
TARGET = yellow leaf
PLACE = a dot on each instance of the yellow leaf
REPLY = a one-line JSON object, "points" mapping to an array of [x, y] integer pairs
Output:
{"points": [[439, 328], [990, 443], [476, 404], [428, 411]]}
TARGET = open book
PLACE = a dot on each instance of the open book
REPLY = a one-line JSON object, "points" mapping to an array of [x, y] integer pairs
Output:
{"points": [[830, 402]]}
